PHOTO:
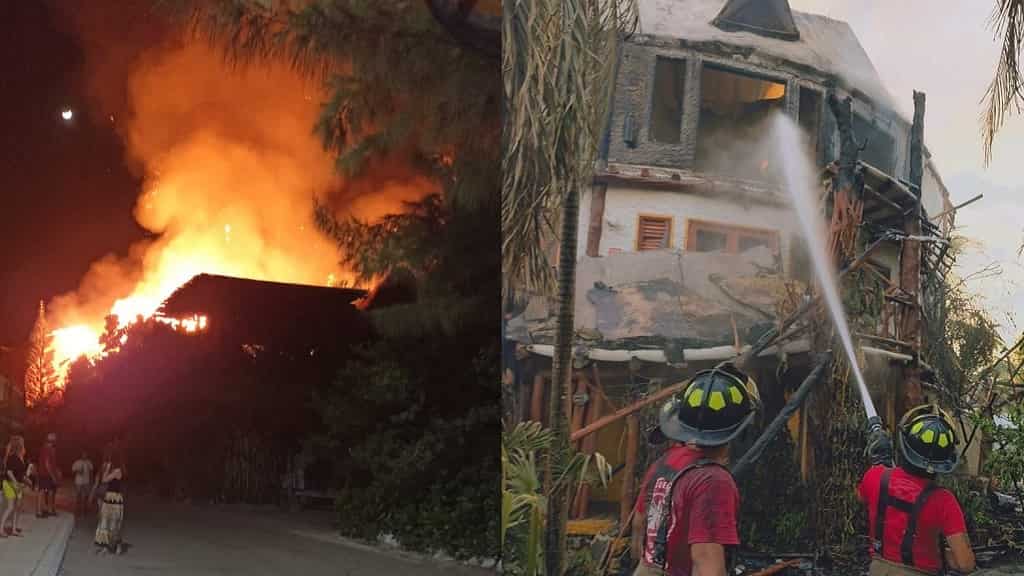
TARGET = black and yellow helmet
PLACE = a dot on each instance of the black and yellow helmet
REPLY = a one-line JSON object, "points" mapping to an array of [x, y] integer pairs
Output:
{"points": [[928, 440], [716, 406]]}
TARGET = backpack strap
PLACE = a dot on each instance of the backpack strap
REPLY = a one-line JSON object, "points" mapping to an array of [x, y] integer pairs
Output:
{"points": [[907, 546], [661, 539], [884, 501]]}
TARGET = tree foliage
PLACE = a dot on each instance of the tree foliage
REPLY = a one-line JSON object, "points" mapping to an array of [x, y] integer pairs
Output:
{"points": [[524, 501], [558, 59], [396, 81], [41, 378], [1006, 91]]}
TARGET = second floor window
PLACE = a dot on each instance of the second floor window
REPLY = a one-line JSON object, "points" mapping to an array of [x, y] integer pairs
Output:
{"points": [[880, 150], [667, 101], [654, 233], [733, 136], [705, 236]]}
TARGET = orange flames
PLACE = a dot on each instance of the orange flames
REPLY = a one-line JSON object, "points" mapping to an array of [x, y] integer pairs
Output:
{"points": [[232, 167]]}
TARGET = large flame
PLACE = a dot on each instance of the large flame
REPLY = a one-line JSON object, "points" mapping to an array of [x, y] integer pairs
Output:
{"points": [[232, 168]]}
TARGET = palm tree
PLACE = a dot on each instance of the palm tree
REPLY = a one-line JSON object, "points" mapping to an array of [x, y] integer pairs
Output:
{"points": [[558, 58], [1006, 92], [397, 81]]}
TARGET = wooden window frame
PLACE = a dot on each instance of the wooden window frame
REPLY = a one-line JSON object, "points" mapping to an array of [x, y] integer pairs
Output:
{"points": [[732, 234], [639, 226]]}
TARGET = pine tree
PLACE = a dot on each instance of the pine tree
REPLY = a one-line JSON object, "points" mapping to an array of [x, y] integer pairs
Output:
{"points": [[41, 379]]}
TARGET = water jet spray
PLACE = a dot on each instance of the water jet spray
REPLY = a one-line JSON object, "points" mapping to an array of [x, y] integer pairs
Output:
{"points": [[799, 177]]}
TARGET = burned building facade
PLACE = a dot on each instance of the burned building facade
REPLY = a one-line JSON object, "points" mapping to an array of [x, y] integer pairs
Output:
{"points": [[688, 247]]}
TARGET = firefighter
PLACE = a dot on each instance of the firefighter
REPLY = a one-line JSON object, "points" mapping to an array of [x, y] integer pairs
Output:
{"points": [[915, 527], [686, 510]]}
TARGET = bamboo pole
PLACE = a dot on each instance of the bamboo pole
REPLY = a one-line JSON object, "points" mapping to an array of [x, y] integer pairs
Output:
{"points": [[589, 444], [578, 410], [627, 410], [795, 401], [627, 497], [537, 399]]}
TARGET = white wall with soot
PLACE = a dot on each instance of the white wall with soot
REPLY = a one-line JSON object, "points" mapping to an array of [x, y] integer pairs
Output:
{"points": [[624, 206]]}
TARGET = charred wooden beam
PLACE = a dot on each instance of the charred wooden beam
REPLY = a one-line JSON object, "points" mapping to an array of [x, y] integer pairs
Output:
{"points": [[794, 403], [917, 141], [597, 197], [910, 257], [842, 110]]}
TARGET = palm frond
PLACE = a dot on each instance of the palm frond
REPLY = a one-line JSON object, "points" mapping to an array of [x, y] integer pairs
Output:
{"points": [[393, 75], [527, 436], [1006, 92], [557, 65]]}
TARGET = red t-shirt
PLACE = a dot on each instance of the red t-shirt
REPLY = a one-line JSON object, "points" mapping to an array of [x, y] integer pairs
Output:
{"points": [[705, 503], [941, 515], [48, 460]]}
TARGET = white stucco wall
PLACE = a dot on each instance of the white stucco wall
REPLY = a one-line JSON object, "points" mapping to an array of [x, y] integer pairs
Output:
{"points": [[623, 206], [933, 195]]}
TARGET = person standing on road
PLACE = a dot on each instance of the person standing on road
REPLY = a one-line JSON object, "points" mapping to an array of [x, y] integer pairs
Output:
{"points": [[13, 485], [49, 477], [909, 516], [686, 511], [108, 532], [82, 469]]}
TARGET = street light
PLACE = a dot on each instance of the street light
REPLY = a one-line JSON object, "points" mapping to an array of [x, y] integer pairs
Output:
{"points": [[67, 114]]}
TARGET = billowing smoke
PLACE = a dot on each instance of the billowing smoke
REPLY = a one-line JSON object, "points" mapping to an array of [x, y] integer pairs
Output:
{"points": [[230, 167]]}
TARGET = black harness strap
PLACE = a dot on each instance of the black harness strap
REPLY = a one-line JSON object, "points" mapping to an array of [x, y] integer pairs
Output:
{"points": [[661, 539], [912, 509], [907, 546], [884, 501]]}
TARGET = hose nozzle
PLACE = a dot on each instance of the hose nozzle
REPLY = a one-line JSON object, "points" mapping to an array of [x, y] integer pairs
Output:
{"points": [[874, 424]]}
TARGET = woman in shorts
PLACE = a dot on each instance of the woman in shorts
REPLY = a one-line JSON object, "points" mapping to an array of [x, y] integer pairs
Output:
{"points": [[13, 485]]}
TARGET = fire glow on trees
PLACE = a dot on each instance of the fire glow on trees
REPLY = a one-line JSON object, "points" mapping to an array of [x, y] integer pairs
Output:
{"points": [[232, 167]]}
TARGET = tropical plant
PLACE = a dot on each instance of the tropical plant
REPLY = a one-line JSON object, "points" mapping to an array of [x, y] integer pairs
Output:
{"points": [[1006, 92], [397, 82], [558, 63], [524, 501], [1006, 461], [41, 378]]}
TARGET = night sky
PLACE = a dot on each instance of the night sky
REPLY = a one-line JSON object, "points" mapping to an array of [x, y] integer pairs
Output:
{"points": [[68, 194]]}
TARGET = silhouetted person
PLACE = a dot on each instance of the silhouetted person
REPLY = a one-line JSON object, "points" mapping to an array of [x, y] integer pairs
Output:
{"points": [[49, 478]]}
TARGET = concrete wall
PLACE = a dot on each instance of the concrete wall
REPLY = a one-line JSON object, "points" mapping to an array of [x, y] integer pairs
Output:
{"points": [[934, 196], [623, 207]]}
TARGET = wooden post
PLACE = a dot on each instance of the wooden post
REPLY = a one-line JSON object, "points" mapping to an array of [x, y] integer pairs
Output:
{"points": [[523, 409], [537, 399], [597, 194], [578, 410], [910, 257], [628, 497], [589, 446]]}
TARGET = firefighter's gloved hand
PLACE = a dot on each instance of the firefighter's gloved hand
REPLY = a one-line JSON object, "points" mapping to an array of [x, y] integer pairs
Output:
{"points": [[880, 448]]}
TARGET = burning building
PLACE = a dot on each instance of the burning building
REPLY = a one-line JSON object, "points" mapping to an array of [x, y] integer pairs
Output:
{"points": [[688, 248]]}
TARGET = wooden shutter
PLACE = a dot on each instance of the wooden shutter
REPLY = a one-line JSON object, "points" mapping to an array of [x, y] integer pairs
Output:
{"points": [[653, 233]]}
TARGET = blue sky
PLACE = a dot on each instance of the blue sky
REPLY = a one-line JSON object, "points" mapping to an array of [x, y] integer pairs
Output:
{"points": [[948, 50]]}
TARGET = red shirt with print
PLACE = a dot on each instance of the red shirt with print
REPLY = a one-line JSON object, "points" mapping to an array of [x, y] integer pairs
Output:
{"points": [[705, 503], [48, 461], [941, 515]]}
